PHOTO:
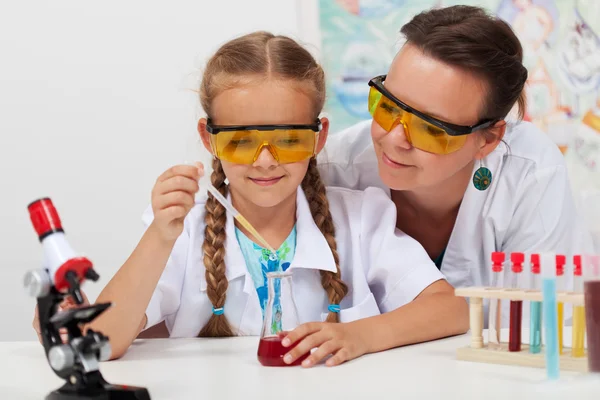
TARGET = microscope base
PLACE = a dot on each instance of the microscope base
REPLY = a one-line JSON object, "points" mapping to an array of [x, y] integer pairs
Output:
{"points": [[106, 392]]}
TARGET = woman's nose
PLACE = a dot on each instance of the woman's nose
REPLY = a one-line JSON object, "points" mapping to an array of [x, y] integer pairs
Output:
{"points": [[398, 136]]}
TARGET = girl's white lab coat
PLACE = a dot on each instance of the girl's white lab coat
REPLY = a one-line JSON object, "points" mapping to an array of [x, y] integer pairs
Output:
{"points": [[383, 268], [528, 207]]}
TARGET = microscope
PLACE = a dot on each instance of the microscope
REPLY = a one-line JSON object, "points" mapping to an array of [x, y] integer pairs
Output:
{"points": [[62, 274]]}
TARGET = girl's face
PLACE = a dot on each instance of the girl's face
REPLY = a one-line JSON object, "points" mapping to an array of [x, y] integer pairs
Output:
{"points": [[439, 90], [266, 182]]}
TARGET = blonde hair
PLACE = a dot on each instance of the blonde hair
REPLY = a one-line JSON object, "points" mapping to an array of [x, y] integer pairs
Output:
{"points": [[256, 56]]}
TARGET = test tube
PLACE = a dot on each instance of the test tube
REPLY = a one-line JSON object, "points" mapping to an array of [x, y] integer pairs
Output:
{"points": [[494, 324], [535, 318], [577, 344], [591, 290], [550, 310], [516, 306], [560, 287]]}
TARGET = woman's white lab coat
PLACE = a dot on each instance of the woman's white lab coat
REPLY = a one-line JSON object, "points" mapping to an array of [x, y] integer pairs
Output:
{"points": [[528, 207], [383, 268]]}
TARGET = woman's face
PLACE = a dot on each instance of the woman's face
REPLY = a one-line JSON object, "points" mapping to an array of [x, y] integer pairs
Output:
{"points": [[439, 90]]}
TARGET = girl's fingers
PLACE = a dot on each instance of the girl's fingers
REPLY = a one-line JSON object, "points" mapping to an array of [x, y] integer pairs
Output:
{"points": [[190, 171]]}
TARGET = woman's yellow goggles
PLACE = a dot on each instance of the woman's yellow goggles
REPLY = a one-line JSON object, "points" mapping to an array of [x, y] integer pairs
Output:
{"points": [[243, 144], [422, 131]]}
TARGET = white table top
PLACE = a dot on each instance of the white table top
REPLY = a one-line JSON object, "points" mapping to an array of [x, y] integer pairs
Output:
{"points": [[228, 369]]}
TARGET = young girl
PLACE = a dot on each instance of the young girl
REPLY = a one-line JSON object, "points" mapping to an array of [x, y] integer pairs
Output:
{"points": [[202, 274]]}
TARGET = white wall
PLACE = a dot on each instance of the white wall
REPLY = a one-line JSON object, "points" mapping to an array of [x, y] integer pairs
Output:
{"points": [[96, 100]]}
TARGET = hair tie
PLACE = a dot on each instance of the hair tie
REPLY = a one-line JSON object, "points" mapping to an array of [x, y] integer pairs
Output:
{"points": [[218, 311], [334, 308]]}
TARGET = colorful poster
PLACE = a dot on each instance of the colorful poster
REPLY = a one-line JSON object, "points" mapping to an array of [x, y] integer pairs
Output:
{"points": [[561, 46]]}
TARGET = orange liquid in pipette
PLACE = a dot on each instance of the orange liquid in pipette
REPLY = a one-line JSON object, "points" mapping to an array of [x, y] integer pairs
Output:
{"points": [[244, 222]]}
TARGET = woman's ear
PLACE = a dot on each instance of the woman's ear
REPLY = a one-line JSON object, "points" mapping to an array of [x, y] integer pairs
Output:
{"points": [[491, 138], [204, 134], [322, 138]]}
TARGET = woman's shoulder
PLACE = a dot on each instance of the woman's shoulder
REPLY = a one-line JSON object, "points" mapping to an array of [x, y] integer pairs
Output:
{"points": [[338, 194], [344, 147], [349, 159], [350, 207], [524, 140]]}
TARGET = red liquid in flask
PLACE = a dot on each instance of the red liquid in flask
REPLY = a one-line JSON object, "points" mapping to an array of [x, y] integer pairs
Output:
{"points": [[516, 314], [271, 352]]}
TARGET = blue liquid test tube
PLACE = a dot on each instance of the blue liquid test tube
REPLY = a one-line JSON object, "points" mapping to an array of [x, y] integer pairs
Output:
{"points": [[550, 311], [535, 320]]}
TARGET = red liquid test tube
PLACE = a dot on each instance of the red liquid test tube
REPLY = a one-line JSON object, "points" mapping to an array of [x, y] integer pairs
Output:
{"points": [[516, 306]]}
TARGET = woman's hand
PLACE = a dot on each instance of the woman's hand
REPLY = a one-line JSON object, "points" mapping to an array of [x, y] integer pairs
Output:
{"points": [[173, 198], [345, 341]]}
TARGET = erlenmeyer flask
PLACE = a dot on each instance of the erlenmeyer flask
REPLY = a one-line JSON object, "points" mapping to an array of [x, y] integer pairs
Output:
{"points": [[280, 317]]}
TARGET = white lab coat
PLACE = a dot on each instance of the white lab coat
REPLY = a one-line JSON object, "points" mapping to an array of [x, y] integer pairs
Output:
{"points": [[528, 207], [383, 268]]}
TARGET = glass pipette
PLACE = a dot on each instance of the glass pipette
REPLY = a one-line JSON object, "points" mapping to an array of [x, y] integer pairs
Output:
{"points": [[240, 218]]}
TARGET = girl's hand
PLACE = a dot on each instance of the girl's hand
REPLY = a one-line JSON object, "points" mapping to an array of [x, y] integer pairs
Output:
{"points": [[67, 304], [345, 341], [173, 198]]}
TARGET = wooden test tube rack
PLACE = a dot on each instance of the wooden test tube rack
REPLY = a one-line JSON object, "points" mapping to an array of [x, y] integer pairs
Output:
{"points": [[478, 351]]}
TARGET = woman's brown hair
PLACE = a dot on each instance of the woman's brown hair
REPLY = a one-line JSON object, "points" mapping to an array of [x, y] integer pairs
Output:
{"points": [[469, 38], [250, 58]]}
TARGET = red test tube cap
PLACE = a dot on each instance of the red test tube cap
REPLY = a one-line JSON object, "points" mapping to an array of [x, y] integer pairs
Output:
{"points": [[517, 260], [498, 258], [535, 264], [577, 265], [561, 260]]}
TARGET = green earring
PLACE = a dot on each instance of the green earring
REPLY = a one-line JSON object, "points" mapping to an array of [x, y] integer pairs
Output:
{"points": [[482, 179]]}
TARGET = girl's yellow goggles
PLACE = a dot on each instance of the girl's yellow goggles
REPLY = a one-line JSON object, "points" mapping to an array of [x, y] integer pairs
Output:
{"points": [[243, 144]]}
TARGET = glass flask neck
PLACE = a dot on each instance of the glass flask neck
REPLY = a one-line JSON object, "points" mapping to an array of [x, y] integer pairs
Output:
{"points": [[278, 282], [280, 312]]}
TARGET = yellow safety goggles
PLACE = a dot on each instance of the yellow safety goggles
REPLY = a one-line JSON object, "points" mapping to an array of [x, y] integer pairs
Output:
{"points": [[422, 131], [243, 144]]}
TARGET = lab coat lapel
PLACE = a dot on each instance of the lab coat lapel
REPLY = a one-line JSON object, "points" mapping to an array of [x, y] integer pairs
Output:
{"points": [[251, 317], [312, 250], [469, 228]]}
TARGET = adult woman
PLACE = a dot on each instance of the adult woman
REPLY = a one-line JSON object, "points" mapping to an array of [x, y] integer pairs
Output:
{"points": [[465, 181]]}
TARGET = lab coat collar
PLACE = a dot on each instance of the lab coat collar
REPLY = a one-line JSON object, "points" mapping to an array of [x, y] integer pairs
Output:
{"points": [[312, 250]]}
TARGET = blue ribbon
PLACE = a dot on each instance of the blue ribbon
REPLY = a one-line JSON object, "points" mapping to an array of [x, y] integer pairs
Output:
{"points": [[334, 308], [218, 311]]}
